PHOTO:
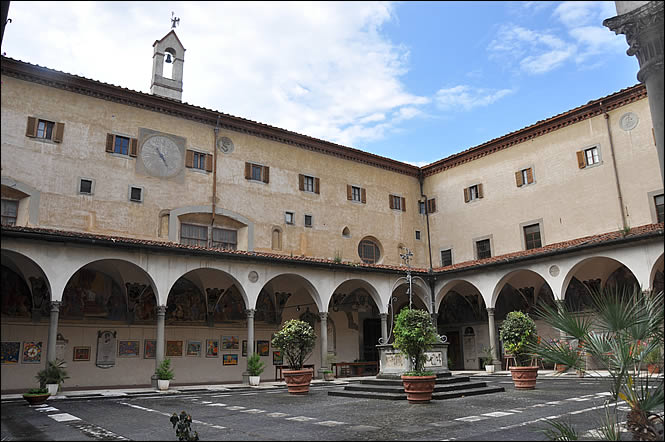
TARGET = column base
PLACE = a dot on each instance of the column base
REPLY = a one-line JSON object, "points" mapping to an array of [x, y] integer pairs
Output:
{"points": [[245, 378], [153, 381]]}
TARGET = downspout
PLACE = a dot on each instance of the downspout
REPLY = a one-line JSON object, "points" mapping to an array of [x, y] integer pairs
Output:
{"points": [[431, 278], [214, 173], [616, 172]]}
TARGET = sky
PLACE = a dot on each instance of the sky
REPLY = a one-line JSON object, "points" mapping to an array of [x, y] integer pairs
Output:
{"points": [[411, 81]]}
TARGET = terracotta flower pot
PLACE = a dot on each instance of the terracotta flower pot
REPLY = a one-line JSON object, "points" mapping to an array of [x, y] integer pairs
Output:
{"points": [[298, 381], [653, 368], [36, 399], [524, 378], [418, 389]]}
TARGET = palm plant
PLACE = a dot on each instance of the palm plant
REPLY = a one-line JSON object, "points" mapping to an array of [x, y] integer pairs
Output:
{"points": [[626, 327]]}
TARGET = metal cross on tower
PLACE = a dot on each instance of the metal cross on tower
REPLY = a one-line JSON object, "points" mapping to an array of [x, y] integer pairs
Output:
{"points": [[174, 20]]}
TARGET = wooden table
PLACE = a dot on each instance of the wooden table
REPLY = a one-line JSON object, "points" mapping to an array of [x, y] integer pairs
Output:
{"points": [[358, 368], [278, 370]]}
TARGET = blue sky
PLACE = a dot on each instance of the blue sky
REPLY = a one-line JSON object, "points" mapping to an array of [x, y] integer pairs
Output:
{"points": [[412, 81]]}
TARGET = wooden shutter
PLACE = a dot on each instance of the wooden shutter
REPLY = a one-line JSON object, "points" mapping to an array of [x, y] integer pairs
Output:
{"points": [[209, 160], [390, 201], [480, 190], [349, 192], [59, 132], [133, 147], [431, 205], [317, 185], [266, 174], [581, 163], [248, 171], [363, 195], [466, 194], [110, 142], [518, 178], [189, 158], [301, 181], [529, 175], [402, 201], [31, 130]]}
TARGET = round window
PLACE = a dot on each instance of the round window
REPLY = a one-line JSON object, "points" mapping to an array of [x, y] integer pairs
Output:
{"points": [[369, 251]]}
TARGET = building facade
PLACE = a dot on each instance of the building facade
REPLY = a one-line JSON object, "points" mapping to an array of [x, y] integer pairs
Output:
{"points": [[138, 227]]}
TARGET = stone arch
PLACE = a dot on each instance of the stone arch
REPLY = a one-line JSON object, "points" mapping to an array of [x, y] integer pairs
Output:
{"points": [[351, 285], [450, 285], [656, 274], [26, 290], [594, 270], [290, 283], [528, 284]]}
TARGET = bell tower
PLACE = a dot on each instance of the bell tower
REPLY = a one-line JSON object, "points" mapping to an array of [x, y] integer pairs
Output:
{"points": [[167, 62]]}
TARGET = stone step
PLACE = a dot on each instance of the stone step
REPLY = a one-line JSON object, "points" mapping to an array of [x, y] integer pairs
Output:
{"points": [[399, 388], [439, 380], [402, 395]]}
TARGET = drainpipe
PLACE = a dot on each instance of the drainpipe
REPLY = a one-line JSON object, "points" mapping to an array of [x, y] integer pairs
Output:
{"points": [[431, 278], [616, 172], [214, 173]]}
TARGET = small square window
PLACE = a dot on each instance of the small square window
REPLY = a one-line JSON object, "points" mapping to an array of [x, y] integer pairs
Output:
{"points": [[136, 194], [308, 220], [446, 257], [532, 236], [483, 249], [85, 186], [417, 234], [9, 212], [289, 217], [591, 156]]}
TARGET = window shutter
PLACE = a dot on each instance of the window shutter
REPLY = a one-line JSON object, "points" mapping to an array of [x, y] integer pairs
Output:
{"points": [[390, 201], [248, 171], [529, 175], [349, 192], [466, 194], [581, 163], [189, 158], [31, 130], [59, 132], [363, 196], [431, 205], [480, 190], [301, 181], [110, 141], [317, 184], [209, 160], [133, 147], [518, 178], [266, 174], [402, 201]]}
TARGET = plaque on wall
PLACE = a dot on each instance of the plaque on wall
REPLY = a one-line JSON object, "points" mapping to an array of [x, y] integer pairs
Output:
{"points": [[106, 342]]}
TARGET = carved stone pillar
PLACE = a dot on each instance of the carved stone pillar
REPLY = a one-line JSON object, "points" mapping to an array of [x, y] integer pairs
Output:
{"points": [[159, 345], [493, 342], [324, 343], [384, 328], [250, 341], [53, 331]]}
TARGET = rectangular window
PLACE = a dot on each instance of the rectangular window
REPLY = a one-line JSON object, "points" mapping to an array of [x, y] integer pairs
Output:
{"points": [[308, 220], [431, 205], [532, 236], [45, 129], [308, 184], [472, 193], [254, 172], [397, 202], [483, 249], [658, 202], [224, 239], [121, 145], [194, 235], [136, 194], [85, 186], [446, 257], [421, 207], [289, 217], [355, 193], [199, 160], [524, 177], [9, 212], [417, 234], [591, 156]]}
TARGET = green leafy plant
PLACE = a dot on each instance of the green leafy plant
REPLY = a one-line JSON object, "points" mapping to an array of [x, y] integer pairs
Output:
{"points": [[37, 391], [414, 335], [254, 365], [653, 357], [296, 340], [338, 257], [164, 371], [517, 333], [560, 431], [183, 426], [53, 373], [487, 355]]}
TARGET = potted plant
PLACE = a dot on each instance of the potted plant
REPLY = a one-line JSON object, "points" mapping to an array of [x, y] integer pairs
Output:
{"points": [[653, 360], [296, 340], [52, 376], [328, 373], [518, 334], [414, 335], [36, 396], [488, 359], [164, 374], [255, 367]]}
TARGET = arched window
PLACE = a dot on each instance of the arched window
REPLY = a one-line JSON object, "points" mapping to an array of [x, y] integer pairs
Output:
{"points": [[276, 239], [369, 250], [346, 233]]}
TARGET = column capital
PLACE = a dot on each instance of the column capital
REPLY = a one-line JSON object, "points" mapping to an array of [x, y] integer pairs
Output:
{"points": [[490, 310], [383, 316], [55, 306], [161, 310], [250, 312], [323, 316]]}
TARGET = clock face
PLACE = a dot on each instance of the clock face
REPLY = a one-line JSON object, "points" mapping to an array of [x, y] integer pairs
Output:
{"points": [[161, 156]]}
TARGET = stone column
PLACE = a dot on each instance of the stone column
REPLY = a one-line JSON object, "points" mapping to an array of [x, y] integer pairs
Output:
{"points": [[493, 342], [250, 341], [561, 307], [384, 328], [159, 345], [642, 23], [53, 331], [324, 343]]}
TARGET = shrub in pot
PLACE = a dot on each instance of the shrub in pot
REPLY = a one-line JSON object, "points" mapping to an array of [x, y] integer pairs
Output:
{"points": [[255, 367], [36, 396], [296, 340], [164, 374], [518, 334], [414, 335], [488, 359], [52, 376]]}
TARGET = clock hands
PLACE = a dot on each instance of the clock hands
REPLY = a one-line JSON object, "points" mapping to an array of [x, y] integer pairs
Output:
{"points": [[161, 155]]}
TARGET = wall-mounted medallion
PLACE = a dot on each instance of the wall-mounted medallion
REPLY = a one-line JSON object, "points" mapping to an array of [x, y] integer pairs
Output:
{"points": [[253, 276], [225, 145], [628, 121]]}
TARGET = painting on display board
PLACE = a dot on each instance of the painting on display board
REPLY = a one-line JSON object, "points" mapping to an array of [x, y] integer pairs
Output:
{"points": [[81, 354], [212, 348], [149, 349], [32, 352], [9, 352], [263, 348], [173, 348], [193, 348], [230, 359], [128, 348], [230, 343]]}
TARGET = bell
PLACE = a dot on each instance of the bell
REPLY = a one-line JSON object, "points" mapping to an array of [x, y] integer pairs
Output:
{"points": [[168, 58]]}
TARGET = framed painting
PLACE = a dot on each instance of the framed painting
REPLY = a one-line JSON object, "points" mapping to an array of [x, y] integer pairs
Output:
{"points": [[149, 349], [212, 348], [193, 348], [231, 359], [263, 348], [277, 358], [32, 352], [173, 348], [128, 348], [230, 343], [81, 354], [9, 352]]}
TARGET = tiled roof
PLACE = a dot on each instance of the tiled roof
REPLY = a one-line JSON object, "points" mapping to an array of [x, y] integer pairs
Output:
{"points": [[635, 234]]}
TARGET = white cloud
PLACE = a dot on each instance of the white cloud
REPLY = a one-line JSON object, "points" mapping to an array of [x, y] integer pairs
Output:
{"points": [[467, 97], [323, 69]]}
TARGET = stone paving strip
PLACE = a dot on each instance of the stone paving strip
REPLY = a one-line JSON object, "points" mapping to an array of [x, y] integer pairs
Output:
{"points": [[94, 431], [219, 427]]}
